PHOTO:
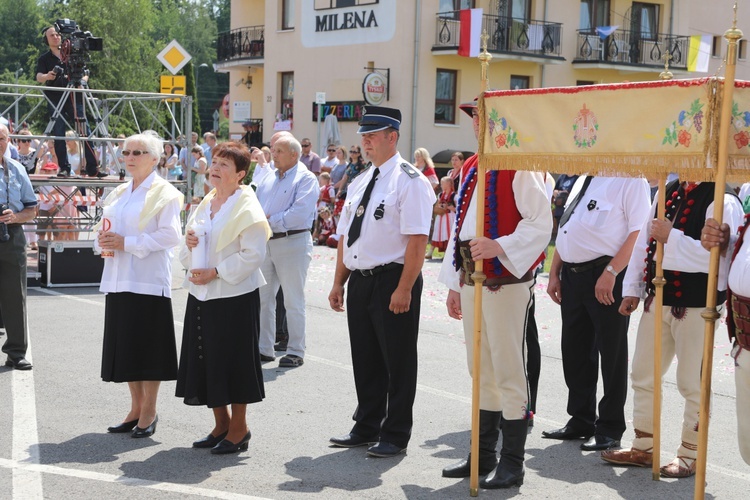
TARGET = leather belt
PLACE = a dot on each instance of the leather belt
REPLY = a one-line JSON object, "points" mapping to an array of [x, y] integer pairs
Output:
{"points": [[741, 316], [276, 236], [582, 267], [380, 269], [493, 282]]}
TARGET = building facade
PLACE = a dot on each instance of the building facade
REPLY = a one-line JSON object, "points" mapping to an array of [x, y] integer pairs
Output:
{"points": [[283, 56]]}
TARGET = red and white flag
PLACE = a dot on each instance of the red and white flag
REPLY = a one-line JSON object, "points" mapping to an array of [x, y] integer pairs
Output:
{"points": [[471, 28]]}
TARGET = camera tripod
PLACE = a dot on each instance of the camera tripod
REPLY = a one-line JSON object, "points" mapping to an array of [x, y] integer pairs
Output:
{"points": [[74, 104]]}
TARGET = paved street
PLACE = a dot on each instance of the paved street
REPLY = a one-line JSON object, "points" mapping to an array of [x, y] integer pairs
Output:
{"points": [[53, 419]]}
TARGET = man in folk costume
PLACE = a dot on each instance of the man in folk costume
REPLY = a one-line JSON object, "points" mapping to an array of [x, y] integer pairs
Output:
{"points": [[517, 230], [686, 272], [737, 250]]}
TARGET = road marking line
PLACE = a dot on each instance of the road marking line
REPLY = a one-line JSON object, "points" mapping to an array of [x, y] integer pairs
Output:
{"points": [[39, 469], [25, 441]]}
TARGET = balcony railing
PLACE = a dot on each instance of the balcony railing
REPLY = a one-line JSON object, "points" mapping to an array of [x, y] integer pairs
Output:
{"points": [[632, 48], [506, 35], [241, 43]]}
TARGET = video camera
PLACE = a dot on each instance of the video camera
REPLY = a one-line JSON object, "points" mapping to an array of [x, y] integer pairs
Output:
{"points": [[75, 48]]}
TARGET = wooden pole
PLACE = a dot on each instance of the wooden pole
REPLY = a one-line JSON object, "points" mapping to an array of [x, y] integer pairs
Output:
{"points": [[478, 277], [659, 283], [710, 315]]}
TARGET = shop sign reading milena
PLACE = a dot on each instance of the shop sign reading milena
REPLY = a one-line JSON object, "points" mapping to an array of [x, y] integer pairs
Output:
{"points": [[346, 21], [374, 88]]}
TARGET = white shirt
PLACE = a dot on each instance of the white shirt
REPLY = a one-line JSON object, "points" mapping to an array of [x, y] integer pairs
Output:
{"points": [[522, 247], [145, 266], [238, 263], [681, 252], [406, 210], [261, 171], [621, 207], [739, 273]]}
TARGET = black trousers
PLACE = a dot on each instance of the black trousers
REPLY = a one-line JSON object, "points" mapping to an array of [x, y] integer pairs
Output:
{"points": [[534, 355], [591, 330], [384, 356], [13, 292]]}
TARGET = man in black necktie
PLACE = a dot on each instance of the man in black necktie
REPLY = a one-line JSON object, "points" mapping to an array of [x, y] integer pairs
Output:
{"points": [[383, 227]]}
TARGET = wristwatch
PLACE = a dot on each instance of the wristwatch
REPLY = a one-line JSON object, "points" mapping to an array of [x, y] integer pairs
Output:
{"points": [[611, 270]]}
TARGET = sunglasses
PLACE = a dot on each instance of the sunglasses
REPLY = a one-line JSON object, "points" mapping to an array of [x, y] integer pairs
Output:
{"points": [[24, 140], [331, 150], [353, 152], [306, 145], [127, 152]]}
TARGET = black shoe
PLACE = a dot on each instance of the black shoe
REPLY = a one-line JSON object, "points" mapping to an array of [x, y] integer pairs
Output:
{"points": [[147, 432], [384, 450], [100, 175], [487, 462], [123, 427], [352, 440], [225, 447], [291, 361], [19, 363], [600, 442], [567, 432], [210, 441], [281, 346], [266, 359], [63, 173]]}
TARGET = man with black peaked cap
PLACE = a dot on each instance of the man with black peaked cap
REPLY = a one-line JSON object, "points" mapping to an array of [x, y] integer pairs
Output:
{"points": [[384, 226], [511, 246]]}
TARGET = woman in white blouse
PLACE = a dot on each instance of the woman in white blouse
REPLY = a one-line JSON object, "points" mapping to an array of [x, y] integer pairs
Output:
{"points": [[224, 247], [139, 342]]}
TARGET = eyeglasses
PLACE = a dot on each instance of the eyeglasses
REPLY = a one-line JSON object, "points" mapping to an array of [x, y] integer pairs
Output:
{"points": [[353, 152], [331, 150], [24, 140], [126, 152], [305, 145]]}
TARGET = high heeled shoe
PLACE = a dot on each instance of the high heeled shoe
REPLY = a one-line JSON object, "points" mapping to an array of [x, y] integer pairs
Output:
{"points": [[123, 427], [225, 447], [139, 432], [210, 441]]}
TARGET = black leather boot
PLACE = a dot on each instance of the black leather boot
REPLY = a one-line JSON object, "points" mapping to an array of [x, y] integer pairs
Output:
{"points": [[510, 470], [488, 435]]}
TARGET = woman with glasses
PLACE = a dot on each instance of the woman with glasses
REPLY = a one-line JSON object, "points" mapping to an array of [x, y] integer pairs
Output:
{"points": [[26, 153], [355, 167], [141, 227]]}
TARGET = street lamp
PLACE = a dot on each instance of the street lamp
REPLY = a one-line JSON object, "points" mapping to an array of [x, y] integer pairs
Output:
{"points": [[18, 72], [198, 77]]}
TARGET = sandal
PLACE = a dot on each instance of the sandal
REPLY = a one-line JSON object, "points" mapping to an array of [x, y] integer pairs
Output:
{"points": [[679, 467], [291, 361]]}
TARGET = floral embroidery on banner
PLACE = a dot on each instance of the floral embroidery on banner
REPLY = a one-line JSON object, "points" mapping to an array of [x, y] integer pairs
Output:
{"points": [[680, 132], [741, 123], [506, 136], [585, 128]]}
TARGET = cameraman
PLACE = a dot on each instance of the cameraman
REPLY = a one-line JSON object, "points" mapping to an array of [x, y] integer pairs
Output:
{"points": [[50, 72], [17, 206]]}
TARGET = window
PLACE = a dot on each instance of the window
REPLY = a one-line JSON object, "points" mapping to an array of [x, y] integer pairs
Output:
{"points": [[445, 96], [287, 14], [742, 50], [594, 13], [644, 20], [519, 82], [340, 4], [581, 83], [448, 9], [287, 95], [517, 9], [716, 46]]}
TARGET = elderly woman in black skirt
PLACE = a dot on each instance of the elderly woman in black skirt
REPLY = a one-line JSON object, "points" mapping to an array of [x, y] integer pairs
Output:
{"points": [[142, 228], [220, 361]]}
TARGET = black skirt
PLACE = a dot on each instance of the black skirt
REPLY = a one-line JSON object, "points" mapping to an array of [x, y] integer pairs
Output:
{"points": [[139, 339], [220, 360]]}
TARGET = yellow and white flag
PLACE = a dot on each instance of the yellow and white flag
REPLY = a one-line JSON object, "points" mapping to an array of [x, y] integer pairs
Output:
{"points": [[699, 52]]}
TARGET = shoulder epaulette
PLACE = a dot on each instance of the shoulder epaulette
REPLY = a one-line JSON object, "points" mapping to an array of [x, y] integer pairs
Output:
{"points": [[409, 170]]}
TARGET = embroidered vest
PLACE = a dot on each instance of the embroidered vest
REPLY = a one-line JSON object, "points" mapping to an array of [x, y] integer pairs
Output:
{"points": [[501, 216]]}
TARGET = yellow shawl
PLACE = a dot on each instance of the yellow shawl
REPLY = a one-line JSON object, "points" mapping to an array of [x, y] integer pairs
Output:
{"points": [[159, 194], [246, 212]]}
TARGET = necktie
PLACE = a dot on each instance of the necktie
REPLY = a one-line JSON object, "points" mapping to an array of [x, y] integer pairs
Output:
{"points": [[573, 204], [356, 226]]}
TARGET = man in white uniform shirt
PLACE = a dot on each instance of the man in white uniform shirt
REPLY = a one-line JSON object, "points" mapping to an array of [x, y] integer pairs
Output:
{"points": [[736, 250], [383, 227], [288, 199], [595, 238]]}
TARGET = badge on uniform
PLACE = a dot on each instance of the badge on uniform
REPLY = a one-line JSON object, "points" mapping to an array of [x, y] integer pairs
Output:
{"points": [[360, 210], [591, 205], [379, 211]]}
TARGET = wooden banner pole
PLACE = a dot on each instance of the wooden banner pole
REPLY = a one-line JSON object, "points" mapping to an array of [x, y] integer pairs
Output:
{"points": [[478, 277], [710, 314]]}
